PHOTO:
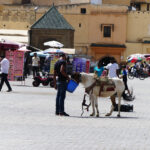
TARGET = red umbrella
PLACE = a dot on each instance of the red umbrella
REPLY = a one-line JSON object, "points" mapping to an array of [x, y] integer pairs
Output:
{"points": [[134, 59], [148, 58]]}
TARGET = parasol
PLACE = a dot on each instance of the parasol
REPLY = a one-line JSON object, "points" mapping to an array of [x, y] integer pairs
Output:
{"points": [[39, 54], [54, 44], [24, 49], [53, 50]]}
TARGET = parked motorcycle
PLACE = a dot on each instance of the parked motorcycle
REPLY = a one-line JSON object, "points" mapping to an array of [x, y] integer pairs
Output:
{"points": [[45, 79], [137, 73]]}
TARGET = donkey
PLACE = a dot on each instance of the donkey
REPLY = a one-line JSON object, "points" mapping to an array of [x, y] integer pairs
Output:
{"points": [[87, 80]]}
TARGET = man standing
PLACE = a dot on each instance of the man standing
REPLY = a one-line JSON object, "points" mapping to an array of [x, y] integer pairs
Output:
{"points": [[4, 69], [61, 86], [113, 69], [35, 64]]}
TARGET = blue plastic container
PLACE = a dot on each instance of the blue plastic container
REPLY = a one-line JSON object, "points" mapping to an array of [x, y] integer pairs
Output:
{"points": [[72, 85]]}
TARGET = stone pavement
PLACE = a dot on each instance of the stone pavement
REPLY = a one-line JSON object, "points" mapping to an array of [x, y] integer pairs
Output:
{"points": [[28, 122]]}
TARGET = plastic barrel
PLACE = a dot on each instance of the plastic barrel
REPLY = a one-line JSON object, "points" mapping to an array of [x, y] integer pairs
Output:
{"points": [[72, 85]]}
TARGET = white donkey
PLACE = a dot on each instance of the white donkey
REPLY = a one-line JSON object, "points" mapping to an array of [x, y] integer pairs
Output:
{"points": [[87, 80]]}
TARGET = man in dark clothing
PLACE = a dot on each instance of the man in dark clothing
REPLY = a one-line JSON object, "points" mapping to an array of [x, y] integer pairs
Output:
{"points": [[61, 86]]}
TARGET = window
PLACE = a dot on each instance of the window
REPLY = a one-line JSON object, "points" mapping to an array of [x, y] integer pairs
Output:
{"points": [[26, 1], [79, 25], [107, 31], [83, 10]]}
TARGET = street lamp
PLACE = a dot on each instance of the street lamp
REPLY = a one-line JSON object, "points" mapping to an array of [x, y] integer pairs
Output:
{"points": [[35, 10]]}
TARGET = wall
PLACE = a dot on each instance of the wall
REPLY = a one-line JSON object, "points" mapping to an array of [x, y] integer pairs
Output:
{"points": [[16, 19], [16, 1], [138, 30], [117, 2], [49, 2], [79, 1], [6, 2], [118, 35], [138, 21], [61, 2], [87, 25], [133, 48]]}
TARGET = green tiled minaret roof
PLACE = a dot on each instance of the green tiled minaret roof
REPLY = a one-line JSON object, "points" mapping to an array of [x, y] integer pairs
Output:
{"points": [[52, 20]]}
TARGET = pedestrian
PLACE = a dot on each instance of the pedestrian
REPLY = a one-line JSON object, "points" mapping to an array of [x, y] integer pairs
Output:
{"points": [[113, 69], [47, 64], [61, 85], [4, 70], [35, 64], [146, 67], [124, 77]]}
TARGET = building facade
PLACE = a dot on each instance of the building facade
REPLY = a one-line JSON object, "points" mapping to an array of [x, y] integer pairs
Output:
{"points": [[99, 30], [64, 2], [138, 33], [108, 29]]}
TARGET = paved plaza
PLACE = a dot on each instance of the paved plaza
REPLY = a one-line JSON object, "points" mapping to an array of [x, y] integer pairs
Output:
{"points": [[28, 121]]}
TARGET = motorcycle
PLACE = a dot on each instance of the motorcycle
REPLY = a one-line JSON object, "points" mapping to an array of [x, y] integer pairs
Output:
{"points": [[45, 79]]}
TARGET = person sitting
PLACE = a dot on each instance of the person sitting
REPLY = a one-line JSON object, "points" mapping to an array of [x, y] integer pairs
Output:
{"points": [[98, 70]]}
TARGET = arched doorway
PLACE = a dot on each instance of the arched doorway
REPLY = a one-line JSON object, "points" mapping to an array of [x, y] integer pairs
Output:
{"points": [[106, 60]]}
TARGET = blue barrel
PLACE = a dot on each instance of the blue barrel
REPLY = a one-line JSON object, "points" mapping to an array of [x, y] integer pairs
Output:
{"points": [[72, 85]]}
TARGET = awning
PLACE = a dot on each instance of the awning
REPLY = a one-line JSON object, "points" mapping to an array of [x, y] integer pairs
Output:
{"points": [[7, 44], [108, 45], [20, 36], [68, 50]]}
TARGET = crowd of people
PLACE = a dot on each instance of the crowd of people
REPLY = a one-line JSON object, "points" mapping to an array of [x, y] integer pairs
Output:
{"points": [[139, 67]]}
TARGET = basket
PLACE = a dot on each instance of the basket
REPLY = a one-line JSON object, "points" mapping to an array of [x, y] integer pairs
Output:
{"points": [[72, 85]]}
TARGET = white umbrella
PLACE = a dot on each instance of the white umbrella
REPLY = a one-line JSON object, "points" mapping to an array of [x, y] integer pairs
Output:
{"points": [[53, 50], [39, 54], [23, 49], [53, 44]]}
